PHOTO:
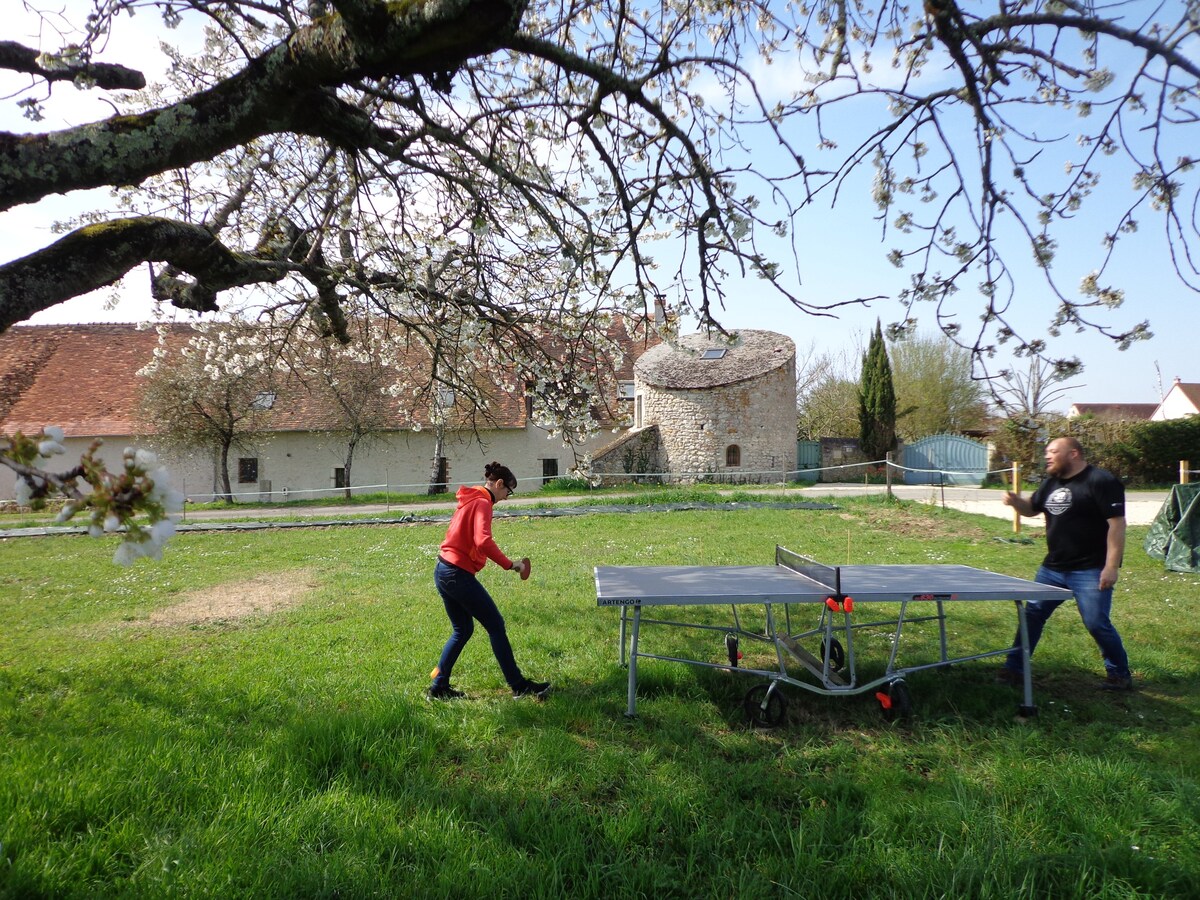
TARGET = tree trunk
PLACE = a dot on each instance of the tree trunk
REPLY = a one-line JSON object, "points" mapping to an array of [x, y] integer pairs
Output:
{"points": [[227, 490], [350, 445], [436, 484]]}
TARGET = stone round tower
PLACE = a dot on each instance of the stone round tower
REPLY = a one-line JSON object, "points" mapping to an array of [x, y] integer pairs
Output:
{"points": [[725, 407]]}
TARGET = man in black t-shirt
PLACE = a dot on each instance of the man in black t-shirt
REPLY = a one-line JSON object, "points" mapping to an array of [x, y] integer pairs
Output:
{"points": [[1085, 538]]}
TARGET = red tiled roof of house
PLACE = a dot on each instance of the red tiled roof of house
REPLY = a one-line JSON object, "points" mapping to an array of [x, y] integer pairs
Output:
{"points": [[79, 377], [83, 378], [1116, 410]]}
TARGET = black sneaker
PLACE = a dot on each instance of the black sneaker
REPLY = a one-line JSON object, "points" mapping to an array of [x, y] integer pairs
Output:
{"points": [[535, 689], [1010, 677], [1117, 683], [443, 693]]}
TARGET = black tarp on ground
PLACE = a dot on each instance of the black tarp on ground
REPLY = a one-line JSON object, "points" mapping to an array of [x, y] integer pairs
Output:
{"points": [[1174, 535]]}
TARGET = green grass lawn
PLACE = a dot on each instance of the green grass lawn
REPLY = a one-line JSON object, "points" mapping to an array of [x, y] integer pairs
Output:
{"points": [[156, 741]]}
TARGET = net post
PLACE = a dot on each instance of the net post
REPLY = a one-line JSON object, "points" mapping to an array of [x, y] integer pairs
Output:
{"points": [[1016, 486]]}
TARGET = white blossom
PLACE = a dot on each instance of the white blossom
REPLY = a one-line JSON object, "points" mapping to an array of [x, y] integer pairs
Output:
{"points": [[127, 552], [162, 530], [163, 492]]}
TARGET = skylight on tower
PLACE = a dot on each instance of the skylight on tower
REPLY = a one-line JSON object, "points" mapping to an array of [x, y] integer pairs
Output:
{"points": [[714, 353]]}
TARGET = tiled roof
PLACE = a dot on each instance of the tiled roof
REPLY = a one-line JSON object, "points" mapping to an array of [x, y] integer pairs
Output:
{"points": [[21, 358], [83, 378], [697, 361], [79, 377], [1115, 410]]}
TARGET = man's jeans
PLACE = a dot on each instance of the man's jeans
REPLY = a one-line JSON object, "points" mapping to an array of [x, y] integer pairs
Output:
{"points": [[465, 600], [1094, 608]]}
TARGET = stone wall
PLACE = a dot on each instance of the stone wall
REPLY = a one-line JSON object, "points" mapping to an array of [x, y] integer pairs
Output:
{"points": [[840, 458], [637, 453], [699, 428]]}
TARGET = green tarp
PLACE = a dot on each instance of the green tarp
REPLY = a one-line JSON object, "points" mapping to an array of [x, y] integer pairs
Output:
{"points": [[1174, 535]]}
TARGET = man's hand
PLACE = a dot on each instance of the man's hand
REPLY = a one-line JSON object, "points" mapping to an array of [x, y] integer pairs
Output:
{"points": [[1108, 577], [1019, 503]]}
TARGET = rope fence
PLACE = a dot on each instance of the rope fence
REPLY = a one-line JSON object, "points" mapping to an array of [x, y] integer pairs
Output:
{"points": [[740, 476], [1010, 475]]}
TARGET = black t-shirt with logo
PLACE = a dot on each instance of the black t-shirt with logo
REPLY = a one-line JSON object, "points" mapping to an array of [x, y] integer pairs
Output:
{"points": [[1077, 512]]}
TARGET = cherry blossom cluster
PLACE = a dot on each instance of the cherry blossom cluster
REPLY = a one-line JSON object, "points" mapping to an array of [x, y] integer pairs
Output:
{"points": [[116, 501]]}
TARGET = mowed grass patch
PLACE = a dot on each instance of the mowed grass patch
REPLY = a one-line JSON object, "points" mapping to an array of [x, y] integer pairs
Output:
{"points": [[288, 751]]}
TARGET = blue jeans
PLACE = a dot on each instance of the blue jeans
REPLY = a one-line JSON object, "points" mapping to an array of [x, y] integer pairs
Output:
{"points": [[1094, 608], [465, 600]]}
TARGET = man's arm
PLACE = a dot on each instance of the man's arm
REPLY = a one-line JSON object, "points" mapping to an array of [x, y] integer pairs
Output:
{"points": [[1114, 552], [1023, 505]]}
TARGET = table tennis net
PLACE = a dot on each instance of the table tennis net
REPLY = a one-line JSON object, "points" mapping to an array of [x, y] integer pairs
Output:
{"points": [[809, 568]]}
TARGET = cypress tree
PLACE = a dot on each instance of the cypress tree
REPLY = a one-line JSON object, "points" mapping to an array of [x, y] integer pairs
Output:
{"points": [[876, 400]]}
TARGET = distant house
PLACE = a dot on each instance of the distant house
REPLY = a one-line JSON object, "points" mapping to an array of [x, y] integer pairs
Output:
{"points": [[1115, 411], [1182, 400], [83, 378]]}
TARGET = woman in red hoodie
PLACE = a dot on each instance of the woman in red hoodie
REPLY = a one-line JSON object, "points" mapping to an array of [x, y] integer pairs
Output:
{"points": [[467, 548]]}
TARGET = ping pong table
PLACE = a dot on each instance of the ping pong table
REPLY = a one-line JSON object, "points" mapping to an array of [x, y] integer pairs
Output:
{"points": [[921, 592]]}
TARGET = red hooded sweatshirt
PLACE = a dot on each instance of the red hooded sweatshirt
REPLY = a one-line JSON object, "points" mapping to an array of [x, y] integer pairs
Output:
{"points": [[469, 543]]}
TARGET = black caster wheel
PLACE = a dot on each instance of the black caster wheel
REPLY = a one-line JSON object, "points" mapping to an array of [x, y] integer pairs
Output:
{"points": [[832, 650], [764, 705], [731, 649], [896, 701]]}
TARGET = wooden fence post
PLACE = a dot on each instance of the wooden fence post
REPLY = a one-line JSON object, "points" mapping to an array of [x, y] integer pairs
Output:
{"points": [[1016, 486], [1184, 471]]}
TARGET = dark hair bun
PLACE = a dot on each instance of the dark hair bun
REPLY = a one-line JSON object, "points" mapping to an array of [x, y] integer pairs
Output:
{"points": [[495, 471]]}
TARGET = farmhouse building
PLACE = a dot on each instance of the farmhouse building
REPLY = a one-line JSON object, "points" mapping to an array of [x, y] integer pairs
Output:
{"points": [[84, 379]]}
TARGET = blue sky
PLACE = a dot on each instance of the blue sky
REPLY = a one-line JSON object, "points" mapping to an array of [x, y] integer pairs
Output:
{"points": [[841, 255]]}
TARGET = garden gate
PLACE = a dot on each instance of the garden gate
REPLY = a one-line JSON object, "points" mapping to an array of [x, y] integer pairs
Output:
{"points": [[945, 459]]}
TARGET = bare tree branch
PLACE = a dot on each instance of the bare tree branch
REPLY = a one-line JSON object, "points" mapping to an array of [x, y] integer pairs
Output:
{"points": [[109, 76]]}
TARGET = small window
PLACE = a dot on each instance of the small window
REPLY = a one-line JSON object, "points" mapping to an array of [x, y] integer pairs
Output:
{"points": [[339, 477], [625, 390], [549, 469], [714, 353], [247, 470], [264, 400], [733, 455], [445, 397]]}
